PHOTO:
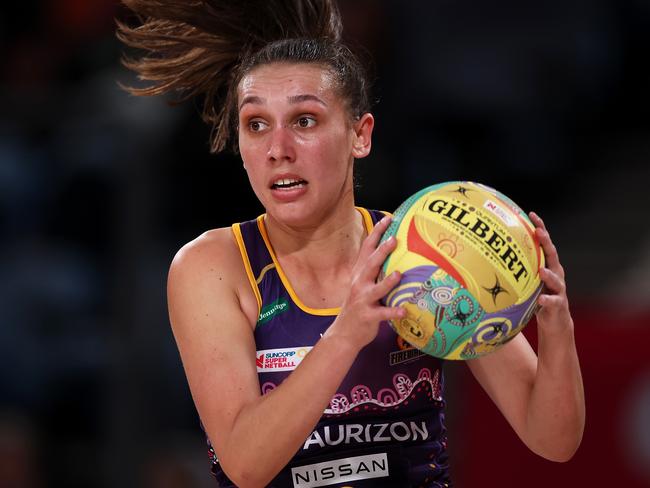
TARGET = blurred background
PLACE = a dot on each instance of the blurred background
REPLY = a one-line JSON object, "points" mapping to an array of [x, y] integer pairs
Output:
{"points": [[546, 101]]}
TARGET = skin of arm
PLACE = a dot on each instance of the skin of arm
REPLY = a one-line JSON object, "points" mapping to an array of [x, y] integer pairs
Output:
{"points": [[210, 311], [541, 396]]}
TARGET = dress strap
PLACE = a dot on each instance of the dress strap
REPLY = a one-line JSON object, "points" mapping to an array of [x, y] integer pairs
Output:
{"points": [[255, 255]]}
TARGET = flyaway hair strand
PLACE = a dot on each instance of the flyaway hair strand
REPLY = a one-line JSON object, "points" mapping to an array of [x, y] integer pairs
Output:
{"points": [[194, 48]]}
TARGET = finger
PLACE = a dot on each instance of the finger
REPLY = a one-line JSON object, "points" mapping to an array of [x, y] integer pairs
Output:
{"points": [[383, 287], [544, 238], [376, 259], [391, 313], [536, 219], [371, 242], [377, 231], [552, 281], [548, 302], [550, 251]]}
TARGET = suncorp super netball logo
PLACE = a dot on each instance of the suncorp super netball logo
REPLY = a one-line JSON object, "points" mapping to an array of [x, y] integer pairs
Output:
{"points": [[280, 359]]}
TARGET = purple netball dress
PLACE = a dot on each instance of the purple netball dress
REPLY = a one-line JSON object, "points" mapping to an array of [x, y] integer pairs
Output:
{"points": [[385, 425]]}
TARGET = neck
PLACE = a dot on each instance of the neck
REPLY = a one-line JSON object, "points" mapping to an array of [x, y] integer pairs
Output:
{"points": [[332, 243]]}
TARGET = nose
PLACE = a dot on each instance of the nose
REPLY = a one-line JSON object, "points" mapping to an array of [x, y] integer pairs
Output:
{"points": [[281, 146]]}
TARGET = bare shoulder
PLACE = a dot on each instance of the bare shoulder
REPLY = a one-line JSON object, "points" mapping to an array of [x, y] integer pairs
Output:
{"points": [[210, 269], [211, 251]]}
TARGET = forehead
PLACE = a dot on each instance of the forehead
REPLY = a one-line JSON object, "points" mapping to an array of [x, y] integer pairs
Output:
{"points": [[287, 79]]}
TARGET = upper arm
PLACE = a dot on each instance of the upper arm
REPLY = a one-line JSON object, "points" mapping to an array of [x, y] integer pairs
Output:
{"points": [[213, 333], [507, 375]]}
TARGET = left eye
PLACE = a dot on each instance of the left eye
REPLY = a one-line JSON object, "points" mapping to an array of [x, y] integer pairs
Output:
{"points": [[306, 122]]}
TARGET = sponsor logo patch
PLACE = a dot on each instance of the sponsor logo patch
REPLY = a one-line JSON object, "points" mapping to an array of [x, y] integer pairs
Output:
{"points": [[405, 354], [280, 359], [272, 309], [497, 210], [340, 471], [398, 357], [333, 435]]}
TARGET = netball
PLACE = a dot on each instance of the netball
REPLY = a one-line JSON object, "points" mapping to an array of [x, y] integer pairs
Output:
{"points": [[470, 265]]}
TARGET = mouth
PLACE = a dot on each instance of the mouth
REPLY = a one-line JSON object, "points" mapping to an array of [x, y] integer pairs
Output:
{"points": [[288, 184]]}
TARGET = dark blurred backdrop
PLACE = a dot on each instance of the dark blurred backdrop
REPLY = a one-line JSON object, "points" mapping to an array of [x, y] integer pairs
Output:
{"points": [[546, 101]]}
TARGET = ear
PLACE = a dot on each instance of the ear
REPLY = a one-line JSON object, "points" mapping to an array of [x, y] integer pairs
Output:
{"points": [[362, 135]]}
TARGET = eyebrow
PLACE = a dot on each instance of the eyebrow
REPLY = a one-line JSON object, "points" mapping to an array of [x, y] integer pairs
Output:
{"points": [[292, 99], [306, 98], [251, 99]]}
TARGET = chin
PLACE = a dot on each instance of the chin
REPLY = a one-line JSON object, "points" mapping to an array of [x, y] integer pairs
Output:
{"points": [[293, 214]]}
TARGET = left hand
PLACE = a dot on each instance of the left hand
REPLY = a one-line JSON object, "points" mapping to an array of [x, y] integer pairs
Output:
{"points": [[554, 314]]}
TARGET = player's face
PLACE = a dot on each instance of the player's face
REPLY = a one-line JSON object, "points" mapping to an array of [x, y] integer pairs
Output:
{"points": [[298, 141]]}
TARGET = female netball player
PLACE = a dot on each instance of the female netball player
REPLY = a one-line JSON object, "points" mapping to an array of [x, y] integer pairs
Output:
{"points": [[296, 377]]}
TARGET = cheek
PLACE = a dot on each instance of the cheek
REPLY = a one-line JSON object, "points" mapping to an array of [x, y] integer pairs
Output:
{"points": [[338, 149], [244, 154], [337, 140], [250, 154], [251, 168], [244, 147]]}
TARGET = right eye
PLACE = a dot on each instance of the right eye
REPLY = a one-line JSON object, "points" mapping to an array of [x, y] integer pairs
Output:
{"points": [[257, 125]]}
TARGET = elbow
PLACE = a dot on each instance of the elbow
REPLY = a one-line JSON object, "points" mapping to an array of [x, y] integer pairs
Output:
{"points": [[244, 479], [561, 449], [559, 443], [244, 474], [560, 454]]}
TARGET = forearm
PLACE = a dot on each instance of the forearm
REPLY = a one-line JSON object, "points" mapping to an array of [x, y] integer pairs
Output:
{"points": [[286, 416], [556, 409]]}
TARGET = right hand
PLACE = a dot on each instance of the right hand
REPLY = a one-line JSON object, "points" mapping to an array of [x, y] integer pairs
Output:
{"points": [[362, 311]]}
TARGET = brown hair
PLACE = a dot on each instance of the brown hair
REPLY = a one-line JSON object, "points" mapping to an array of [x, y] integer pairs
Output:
{"points": [[202, 48]]}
